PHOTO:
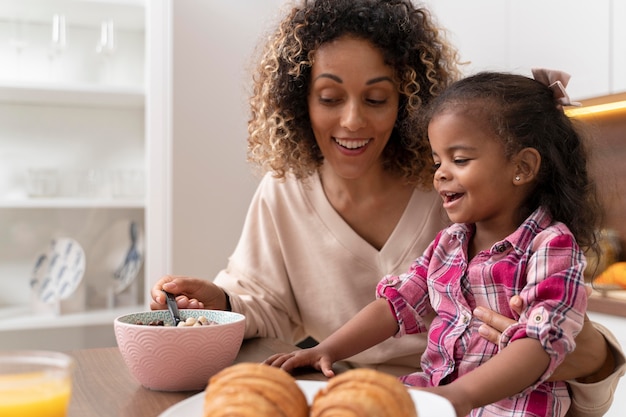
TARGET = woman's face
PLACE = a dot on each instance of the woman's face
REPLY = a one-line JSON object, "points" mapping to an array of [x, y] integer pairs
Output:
{"points": [[353, 105]]}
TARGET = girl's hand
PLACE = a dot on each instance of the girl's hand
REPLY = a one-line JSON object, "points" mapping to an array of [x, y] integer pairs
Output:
{"points": [[313, 357]]}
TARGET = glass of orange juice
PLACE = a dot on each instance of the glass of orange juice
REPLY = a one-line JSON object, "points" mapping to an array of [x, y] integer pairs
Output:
{"points": [[35, 383]]}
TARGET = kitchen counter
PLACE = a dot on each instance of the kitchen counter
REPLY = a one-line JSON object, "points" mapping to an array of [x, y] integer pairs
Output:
{"points": [[104, 387]]}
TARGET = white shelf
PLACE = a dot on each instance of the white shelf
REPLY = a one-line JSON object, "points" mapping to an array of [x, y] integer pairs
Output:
{"points": [[127, 14], [20, 318], [72, 95], [65, 203], [72, 110]]}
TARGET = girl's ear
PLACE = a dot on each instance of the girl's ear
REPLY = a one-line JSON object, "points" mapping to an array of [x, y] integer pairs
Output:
{"points": [[527, 164]]}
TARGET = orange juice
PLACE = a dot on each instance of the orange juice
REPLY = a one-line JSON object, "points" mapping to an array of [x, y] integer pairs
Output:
{"points": [[35, 383], [34, 395]]}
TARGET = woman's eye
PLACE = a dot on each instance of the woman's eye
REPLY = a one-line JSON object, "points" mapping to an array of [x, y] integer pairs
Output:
{"points": [[328, 100], [376, 102]]}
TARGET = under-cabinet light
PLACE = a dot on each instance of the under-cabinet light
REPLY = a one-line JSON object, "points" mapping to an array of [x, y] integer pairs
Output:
{"points": [[596, 109]]}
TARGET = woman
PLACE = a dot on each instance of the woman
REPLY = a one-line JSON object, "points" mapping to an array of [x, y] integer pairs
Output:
{"points": [[347, 196]]}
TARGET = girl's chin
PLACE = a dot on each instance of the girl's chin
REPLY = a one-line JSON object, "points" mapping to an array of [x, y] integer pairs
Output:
{"points": [[457, 218]]}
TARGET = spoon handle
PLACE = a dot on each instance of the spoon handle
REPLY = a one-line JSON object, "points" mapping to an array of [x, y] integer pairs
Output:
{"points": [[172, 307]]}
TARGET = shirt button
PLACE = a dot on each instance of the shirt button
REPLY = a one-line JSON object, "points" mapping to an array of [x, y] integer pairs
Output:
{"points": [[538, 318], [500, 248]]}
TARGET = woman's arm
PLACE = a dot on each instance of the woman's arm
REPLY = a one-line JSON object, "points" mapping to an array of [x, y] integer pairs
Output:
{"points": [[591, 361], [593, 399], [512, 370], [592, 370]]}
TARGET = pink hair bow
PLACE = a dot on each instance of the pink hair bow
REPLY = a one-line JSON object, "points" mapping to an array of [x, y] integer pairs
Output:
{"points": [[556, 81]]}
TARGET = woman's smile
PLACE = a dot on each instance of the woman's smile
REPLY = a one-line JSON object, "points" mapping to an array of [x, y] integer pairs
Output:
{"points": [[352, 144]]}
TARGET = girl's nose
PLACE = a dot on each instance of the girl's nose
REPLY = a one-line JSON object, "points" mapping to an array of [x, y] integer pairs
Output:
{"points": [[352, 117], [441, 175]]}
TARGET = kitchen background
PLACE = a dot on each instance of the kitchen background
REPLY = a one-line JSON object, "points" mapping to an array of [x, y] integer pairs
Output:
{"points": [[122, 139]]}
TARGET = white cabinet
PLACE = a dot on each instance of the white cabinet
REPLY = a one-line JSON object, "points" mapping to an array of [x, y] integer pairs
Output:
{"points": [[73, 151], [477, 29], [618, 40], [569, 35], [581, 37]]}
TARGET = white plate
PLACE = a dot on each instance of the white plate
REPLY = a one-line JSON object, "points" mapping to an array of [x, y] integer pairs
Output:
{"points": [[58, 271], [427, 404]]}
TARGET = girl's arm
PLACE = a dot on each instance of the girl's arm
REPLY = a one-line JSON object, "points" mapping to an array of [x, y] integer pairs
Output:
{"points": [[591, 361], [374, 324], [512, 370]]}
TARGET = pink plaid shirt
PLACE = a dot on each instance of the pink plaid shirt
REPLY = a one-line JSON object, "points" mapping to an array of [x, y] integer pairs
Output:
{"points": [[540, 262]]}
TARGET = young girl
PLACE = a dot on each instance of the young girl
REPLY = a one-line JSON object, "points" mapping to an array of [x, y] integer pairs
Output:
{"points": [[512, 172]]}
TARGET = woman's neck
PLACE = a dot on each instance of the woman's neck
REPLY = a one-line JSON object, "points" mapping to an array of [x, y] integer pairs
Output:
{"points": [[371, 205], [355, 190]]}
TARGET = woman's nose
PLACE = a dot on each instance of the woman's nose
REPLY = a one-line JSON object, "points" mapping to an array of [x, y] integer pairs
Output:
{"points": [[352, 117]]}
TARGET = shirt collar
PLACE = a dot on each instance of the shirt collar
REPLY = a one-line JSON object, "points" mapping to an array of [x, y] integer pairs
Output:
{"points": [[539, 220]]}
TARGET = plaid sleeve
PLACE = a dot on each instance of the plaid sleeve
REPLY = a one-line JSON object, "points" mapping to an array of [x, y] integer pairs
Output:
{"points": [[407, 295], [554, 296]]}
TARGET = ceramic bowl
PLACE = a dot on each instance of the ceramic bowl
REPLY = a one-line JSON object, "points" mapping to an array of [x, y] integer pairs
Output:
{"points": [[170, 358]]}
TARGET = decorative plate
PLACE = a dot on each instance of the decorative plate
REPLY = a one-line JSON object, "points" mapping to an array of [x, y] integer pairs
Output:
{"points": [[58, 271]]}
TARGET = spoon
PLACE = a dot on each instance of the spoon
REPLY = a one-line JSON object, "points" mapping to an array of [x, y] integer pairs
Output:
{"points": [[172, 307]]}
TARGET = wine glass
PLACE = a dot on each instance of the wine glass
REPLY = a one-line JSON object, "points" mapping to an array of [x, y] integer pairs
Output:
{"points": [[106, 48], [19, 42], [58, 43]]}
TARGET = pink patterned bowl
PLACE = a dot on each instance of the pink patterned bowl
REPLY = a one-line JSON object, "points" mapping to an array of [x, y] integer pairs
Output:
{"points": [[169, 358]]}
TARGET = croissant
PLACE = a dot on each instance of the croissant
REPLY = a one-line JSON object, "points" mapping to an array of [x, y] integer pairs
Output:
{"points": [[254, 389], [363, 393]]}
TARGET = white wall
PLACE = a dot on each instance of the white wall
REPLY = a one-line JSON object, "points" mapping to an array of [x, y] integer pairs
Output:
{"points": [[212, 182]]}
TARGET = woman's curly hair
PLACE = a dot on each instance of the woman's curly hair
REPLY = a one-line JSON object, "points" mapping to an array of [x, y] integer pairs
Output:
{"points": [[280, 136]]}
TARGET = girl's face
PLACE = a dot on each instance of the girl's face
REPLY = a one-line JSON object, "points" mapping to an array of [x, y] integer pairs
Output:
{"points": [[353, 105], [473, 176]]}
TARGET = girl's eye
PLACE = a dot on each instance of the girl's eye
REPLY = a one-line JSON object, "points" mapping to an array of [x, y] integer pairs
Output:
{"points": [[376, 102], [460, 161], [436, 166]]}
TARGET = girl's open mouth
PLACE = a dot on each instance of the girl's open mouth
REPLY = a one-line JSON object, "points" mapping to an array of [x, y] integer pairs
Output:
{"points": [[450, 197]]}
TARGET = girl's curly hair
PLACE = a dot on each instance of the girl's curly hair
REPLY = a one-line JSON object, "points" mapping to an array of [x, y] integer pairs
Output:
{"points": [[523, 113], [280, 135]]}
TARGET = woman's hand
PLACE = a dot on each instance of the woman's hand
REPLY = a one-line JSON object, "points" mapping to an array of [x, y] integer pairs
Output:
{"points": [[591, 361], [314, 357], [189, 292]]}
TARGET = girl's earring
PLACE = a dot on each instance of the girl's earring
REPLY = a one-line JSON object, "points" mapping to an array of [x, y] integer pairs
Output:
{"points": [[517, 178]]}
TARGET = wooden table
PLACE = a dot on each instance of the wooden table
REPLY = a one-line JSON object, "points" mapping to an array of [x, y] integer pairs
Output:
{"points": [[104, 387]]}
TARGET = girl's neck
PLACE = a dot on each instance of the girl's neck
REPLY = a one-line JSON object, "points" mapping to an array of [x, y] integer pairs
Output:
{"points": [[486, 235]]}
